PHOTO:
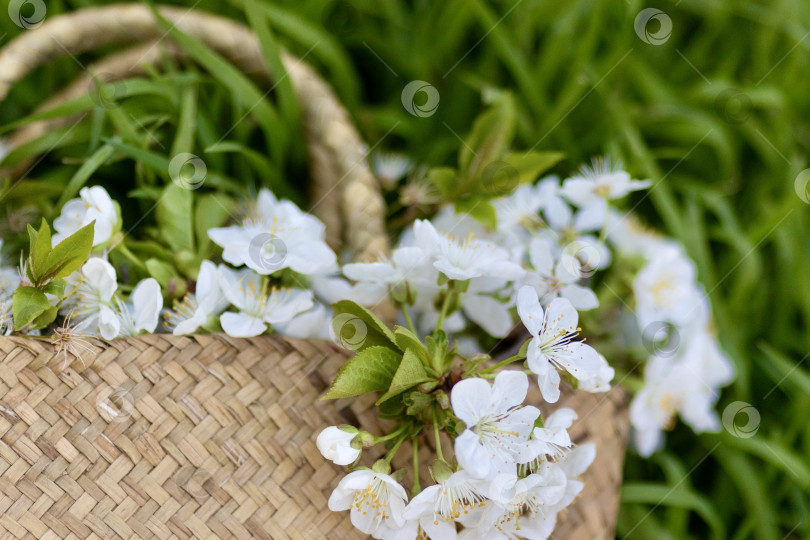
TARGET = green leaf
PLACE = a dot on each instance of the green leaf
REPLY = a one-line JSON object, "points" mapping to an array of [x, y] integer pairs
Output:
{"points": [[244, 91], [445, 179], [370, 370], [84, 173], [184, 138], [489, 138], [530, 165], [162, 271], [367, 329], [212, 210], [657, 494], [437, 346], [45, 318], [27, 304], [70, 254], [479, 209], [40, 247], [406, 339], [410, 372], [55, 287], [174, 217], [288, 102], [419, 405]]}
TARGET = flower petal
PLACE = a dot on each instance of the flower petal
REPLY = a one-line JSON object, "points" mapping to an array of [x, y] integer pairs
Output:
{"points": [[241, 324], [529, 310], [509, 389], [471, 400]]}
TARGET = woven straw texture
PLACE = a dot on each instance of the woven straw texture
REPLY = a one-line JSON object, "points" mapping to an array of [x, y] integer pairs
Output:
{"points": [[166, 436]]}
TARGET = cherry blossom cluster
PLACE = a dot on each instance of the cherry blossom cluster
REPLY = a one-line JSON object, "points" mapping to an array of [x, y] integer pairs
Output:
{"points": [[686, 367], [515, 472]]}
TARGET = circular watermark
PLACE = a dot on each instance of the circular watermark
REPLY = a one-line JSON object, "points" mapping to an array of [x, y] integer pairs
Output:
{"points": [[349, 331], [193, 479], [115, 404], [105, 90], [802, 185], [340, 17], [752, 418], [431, 98], [581, 259], [187, 171], [27, 14], [268, 253], [733, 106], [661, 339], [500, 178], [653, 26]]}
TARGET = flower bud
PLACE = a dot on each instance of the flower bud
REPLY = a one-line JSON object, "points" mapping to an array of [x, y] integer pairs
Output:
{"points": [[335, 444]]}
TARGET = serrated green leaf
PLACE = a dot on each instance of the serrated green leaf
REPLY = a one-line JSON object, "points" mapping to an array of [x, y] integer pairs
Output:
{"points": [[405, 339], [174, 214], [27, 304], [70, 254], [367, 330], [410, 372], [370, 370], [419, 405]]}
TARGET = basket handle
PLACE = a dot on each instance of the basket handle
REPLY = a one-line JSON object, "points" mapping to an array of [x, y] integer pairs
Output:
{"points": [[346, 194]]}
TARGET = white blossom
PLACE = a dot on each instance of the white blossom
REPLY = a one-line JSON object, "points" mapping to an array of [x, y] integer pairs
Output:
{"points": [[258, 304], [553, 344], [376, 501], [279, 235], [93, 204], [498, 426]]}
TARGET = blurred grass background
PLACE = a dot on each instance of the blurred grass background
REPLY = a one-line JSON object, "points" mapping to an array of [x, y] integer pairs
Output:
{"points": [[717, 115]]}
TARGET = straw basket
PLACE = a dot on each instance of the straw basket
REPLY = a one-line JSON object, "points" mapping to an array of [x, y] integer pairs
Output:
{"points": [[208, 436]]}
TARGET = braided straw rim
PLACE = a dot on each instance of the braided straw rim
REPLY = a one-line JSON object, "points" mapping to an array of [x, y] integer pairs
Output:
{"points": [[346, 191]]}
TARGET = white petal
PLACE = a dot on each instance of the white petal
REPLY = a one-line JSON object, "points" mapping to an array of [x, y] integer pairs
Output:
{"points": [[509, 389], [471, 400], [550, 385], [471, 455], [101, 276], [562, 315], [541, 255], [109, 326], [310, 257], [591, 217], [528, 306], [376, 271], [282, 306], [490, 314], [241, 325], [147, 303], [580, 360], [582, 298], [579, 459], [561, 418], [343, 495]]}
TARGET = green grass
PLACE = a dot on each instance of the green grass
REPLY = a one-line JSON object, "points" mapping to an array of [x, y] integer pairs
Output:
{"points": [[718, 117]]}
